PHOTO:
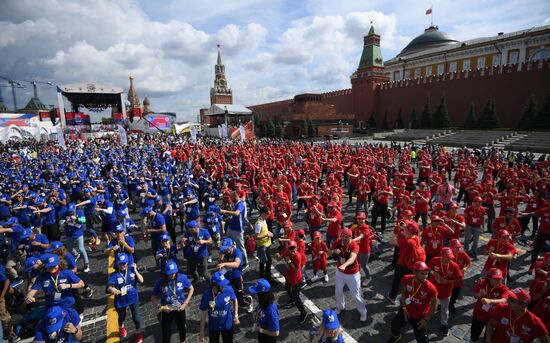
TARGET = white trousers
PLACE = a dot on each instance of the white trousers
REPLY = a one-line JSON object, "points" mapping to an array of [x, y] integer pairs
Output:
{"points": [[354, 285]]}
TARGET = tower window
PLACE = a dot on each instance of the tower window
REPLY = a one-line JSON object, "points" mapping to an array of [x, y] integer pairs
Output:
{"points": [[452, 67], [480, 62], [465, 65]]}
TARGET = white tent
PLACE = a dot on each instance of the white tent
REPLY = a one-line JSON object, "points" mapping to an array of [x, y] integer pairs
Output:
{"points": [[23, 132], [185, 128]]}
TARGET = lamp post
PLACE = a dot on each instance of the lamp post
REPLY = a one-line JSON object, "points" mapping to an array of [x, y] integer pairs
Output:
{"points": [[14, 84], [225, 119]]}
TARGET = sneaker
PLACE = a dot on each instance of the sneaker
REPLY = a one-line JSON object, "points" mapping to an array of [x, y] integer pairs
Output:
{"points": [[139, 338], [365, 282], [88, 292], [325, 278], [76, 256], [445, 330], [363, 318], [314, 278], [86, 269], [14, 338], [303, 285], [209, 259], [16, 282], [303, 317], [122, 332]]}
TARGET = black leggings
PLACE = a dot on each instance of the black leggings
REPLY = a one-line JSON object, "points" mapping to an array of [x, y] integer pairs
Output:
{"points": [[166, 325], [398, 274], [399, 322], [263, 338], [227, 336], [477, 329]]}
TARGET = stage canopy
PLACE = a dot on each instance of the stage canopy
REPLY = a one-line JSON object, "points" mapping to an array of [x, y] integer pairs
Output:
{"points": [[232, 110]]}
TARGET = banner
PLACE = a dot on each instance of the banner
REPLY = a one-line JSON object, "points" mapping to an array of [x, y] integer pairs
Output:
{"points": [[246, 132], [220, 131], [242, 133], [193, 131], [224, 131], [122, 134], [60, 137]]}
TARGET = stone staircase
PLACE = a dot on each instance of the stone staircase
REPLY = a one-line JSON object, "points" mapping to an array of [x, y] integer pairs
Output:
{"points": [[501, 143], [432, 137]]}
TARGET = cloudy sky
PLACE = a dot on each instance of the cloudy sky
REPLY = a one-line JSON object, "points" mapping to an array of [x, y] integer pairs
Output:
{"points": [[271, 49]]}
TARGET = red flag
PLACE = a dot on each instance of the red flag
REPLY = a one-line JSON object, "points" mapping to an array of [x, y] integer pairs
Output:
{"points": [[429, 11]]}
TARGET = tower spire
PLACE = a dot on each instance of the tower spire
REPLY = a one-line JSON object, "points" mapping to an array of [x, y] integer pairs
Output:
{"points": [[220, 93], [132, 96], [219, 62]]}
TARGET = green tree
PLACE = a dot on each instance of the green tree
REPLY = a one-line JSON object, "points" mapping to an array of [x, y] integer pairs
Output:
{"points": [[426, 117], [312, 129], [385, 124], [528, 119], [271, 129], [399, 121], [279, 129], [441, 116], [414, 120], [371, 123], [471, 119], [489, 117], [304, 129], [543, 117]]}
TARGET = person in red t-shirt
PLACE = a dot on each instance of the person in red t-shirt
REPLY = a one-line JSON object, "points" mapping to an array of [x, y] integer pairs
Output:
{"points": [[540, 293], [500, 252], [363, 235], [445, 272], [488, 291], [334, 217], [544, 230], [421, 198], [418, 304], [455, 221], [293, 277], [380, 207], [534, 202], [432, 237], [507, 222], [347, 273], [464, 262], [362, 192], [314, 215], [319, 252], [513, 323], [474, 215]]}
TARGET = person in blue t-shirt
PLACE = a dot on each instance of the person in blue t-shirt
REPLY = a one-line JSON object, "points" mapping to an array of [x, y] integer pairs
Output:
{"points": [[127, 223], [210, 195], [90, 204], [329, 331], [195, 242], [230, 262], [35, 243], [219, 304], [59, 325], [107, 213], [147, 195], [56, 284], [121, 243], [46, 213], [120, 198], [167, 252], [156, 226], [165, 208], [191, 205], [266, 314], [236, 227], [20, 210], [123, 284], [212, 222], [74, 230], [168, 294]]}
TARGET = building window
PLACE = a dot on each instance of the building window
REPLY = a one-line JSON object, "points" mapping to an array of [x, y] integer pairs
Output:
{"points": [[513, 56], [440, 69], [496, 60], [361, 124], [396, 75], [417, 73], [452, 67], [466, 65], [428, 70], [480, 62]]}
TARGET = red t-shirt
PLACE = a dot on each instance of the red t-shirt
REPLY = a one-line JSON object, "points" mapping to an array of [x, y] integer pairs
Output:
{"points": [[334, 227], [450, 271], [544, 225], [313, 218], [502, 249], [283, 210], [433, 239], [365, 242], [450, 220], [420, 205], [514, 227], [383, 198], [474, 217], [542, 308], [362, 191], [345, 252], [293, 277], [418, 297], [526, 326], [462, 259], [482, 311]]}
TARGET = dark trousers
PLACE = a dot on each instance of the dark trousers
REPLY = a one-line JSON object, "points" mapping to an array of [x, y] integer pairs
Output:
{"points": [[293, 292], [237, 285], [399, 322], [395, 256], [490, 216], [351, 190], [265, 268], [477, 329], [379, 210], [538, 245], [166, 325], [134, 308], [52, 232], [462, 192], [214, 336], [170, 227], [263, 338], [398, 274], [424, 217], [524, 222], [454, 295], [196, 267]]}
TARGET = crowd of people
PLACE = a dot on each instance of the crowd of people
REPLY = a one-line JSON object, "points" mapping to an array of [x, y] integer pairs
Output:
{"points": [[206, 208]]}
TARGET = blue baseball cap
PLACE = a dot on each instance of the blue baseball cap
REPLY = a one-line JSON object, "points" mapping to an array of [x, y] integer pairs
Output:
{"points": [[226, 244], [146, 211], [54, 319], [330, 320], [121, 213], [191, 224], [219, 279], [71, 207], [39, 201], [11, 221], [119, 228], [29, 264], [54, 246], [50, 260], [121, 258], [164, 237], [158, 198], [262, 286], [170, 268], [26, 233]]}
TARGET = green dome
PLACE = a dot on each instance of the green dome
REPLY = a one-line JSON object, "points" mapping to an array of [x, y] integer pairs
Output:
{"points": [[431, 38]]}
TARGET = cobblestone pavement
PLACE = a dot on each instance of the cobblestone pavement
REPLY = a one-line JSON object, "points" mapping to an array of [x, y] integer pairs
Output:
{"points": [[380, 311]]}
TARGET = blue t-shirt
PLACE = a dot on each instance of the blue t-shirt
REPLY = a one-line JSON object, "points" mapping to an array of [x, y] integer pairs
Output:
{"points": [[220, 318], [167, 255], [124, 280], [4, 208], [69, 316], [130, 241], [71, 262], [34, 250], [118, 200], [172, 290], [164, 187], [108, 217], [193, 250], [49, 217], [338, 339], [89, 208], [192, 211], [75, 229], [268, 318], [236, 223], [156, 223], [210, 196], [235, 273], [47, 282], [212, 223]]}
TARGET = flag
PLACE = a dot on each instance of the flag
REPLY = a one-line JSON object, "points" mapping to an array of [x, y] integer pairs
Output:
{"points": [[122, 134], [193, 131], [220, 131], [429, 11], [60, 138], [242, 133]]}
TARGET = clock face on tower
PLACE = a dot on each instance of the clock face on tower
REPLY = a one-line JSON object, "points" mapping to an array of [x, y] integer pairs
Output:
{"points": [[223, 82]]}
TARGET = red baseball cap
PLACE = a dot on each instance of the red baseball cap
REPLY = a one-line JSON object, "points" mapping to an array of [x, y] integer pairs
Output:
{"points": [[521, 295], [447, 252], [455, 243], [407, 213], [478, 199], [292, 244], [420, 266], [288, 224], [346, 232], [503, 233], [495, 273], [361, 215], [301, 232], [406, 197], [412, 226], [316, 234], [454, 205], [438, 205], [435, 218], [332, 204], [422, 184]]}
